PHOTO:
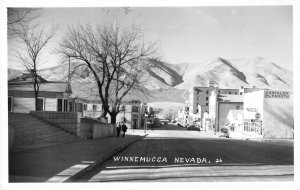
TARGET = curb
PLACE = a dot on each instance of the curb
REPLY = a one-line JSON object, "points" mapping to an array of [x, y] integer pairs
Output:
{"points": [[102, 159], [272, 140]]}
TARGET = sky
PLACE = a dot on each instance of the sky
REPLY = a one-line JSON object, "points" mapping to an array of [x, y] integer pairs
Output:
{"points": [[186, 34]]}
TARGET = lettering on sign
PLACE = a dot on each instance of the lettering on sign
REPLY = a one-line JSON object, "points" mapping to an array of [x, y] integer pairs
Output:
{"points": [[277, 94], [251, 109]]}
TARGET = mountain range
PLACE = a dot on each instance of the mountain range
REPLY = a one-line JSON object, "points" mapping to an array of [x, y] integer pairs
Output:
{"points": [[170, 82]]}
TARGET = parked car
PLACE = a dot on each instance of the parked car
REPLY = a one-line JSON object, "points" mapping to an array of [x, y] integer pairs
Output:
{"points": [[224, 133], [192, 128], [157, 123], [164, 121]]}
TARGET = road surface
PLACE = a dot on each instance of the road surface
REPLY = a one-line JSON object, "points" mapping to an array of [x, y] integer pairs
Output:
{"points": [[181, 155]]}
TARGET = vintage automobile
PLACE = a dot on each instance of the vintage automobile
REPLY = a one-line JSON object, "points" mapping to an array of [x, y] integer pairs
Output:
{"points": [[224, 133], [192, 126]]}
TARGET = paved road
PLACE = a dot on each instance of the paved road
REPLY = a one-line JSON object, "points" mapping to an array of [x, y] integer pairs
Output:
{"points": [[174, 155]]}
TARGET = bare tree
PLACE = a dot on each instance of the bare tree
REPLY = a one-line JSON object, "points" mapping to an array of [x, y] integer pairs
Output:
{"points": [[115, 56], [18, 18], [34, 41]]}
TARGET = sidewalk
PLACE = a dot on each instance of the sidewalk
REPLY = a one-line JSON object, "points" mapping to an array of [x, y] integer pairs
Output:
{"points": [[62, 162]]}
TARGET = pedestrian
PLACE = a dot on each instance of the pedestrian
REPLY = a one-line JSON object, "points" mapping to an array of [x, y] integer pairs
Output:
{"points": [[118, 129], [124, 129]]}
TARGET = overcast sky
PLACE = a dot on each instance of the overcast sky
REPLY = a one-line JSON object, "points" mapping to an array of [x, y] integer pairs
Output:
{"points": [[190, 34]]}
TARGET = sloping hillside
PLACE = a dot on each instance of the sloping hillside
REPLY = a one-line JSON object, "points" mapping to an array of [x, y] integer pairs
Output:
{"points": [[233, 73], [168, 82]]}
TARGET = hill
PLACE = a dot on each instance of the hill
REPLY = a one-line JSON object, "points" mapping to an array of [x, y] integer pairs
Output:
{"points": [[170, 82], [234, 73]]}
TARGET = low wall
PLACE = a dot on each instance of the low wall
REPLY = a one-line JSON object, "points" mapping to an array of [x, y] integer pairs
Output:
{"points": [[86, 128], [92, 128], [101, 130], [69, 121]]}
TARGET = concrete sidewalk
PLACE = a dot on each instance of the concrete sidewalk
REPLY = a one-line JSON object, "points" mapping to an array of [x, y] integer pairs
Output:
{"points": [[63, 162]]}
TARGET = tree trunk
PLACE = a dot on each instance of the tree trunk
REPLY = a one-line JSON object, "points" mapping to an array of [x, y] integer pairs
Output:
{"points": [[105, 111], [36, 101], [113, 117]]}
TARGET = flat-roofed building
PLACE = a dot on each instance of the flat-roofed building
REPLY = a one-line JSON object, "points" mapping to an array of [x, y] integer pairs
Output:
{"points": [[268, 114]]}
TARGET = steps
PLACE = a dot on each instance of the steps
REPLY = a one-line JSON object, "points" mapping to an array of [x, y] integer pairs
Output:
{"points": [[31, 132]]}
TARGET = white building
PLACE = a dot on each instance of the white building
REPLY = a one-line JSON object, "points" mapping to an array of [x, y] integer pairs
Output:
{"points": [[268, 114], [234, 124], [220, 105]]}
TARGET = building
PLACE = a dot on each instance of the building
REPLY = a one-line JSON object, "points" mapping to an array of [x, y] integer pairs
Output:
{"points": [[92, 109], [268, 114], [200, 96], [133, 114], [212, 103], [235, 123], [220, 106], [52, 96]]}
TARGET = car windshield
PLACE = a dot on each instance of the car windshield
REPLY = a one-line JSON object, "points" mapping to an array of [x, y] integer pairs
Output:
{"points": [[224, 130]]}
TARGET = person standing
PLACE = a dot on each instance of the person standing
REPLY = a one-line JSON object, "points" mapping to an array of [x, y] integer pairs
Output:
{"points": [[124, 129], [118, 129]]}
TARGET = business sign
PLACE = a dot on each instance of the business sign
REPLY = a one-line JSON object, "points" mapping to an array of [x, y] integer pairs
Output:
{"points": [[251, 109], [277, 94], [257, 116]]}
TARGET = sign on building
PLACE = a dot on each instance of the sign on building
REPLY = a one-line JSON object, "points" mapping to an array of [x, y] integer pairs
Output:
{"points": [[277, 94], [257, 116]]}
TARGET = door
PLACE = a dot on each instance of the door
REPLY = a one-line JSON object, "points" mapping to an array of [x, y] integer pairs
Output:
{"points": [[134, 123], [10, 104], [40, 104]]}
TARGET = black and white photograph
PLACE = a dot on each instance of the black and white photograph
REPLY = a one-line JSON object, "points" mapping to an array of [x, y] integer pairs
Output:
{"points": [[129, 93]]}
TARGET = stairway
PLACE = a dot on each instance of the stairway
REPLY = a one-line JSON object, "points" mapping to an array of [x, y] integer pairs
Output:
{"points": [[31, 132]]}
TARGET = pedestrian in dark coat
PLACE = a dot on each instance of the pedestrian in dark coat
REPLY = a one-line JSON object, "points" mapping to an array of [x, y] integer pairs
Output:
{"points": [[118, 129], [124, 129]]}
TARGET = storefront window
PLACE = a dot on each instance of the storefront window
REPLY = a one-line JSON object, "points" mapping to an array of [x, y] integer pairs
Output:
{"points": [[252, 125]]}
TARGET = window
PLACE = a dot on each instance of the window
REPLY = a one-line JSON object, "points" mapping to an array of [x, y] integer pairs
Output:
{"points": [[241, 93], [59, 105], [84, 106], [71, 107], [235, 93], [237, 107], [206, 98], [78, 107], [229, 92], [94, 107], [207, 104], [207, 91], [65, 105]]}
